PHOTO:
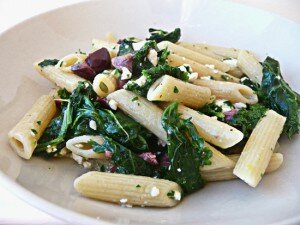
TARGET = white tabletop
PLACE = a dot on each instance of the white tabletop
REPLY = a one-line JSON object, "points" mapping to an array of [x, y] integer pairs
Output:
{"points": [[16, 212]]}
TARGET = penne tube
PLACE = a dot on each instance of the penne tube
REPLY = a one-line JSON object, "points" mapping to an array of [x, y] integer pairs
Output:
{"points": [[203, 51], [236, 72], [60, 78], [79, 146], [168, 89], [221, 51], [218, 160], [68, 61], [176, 61], [231, 91], [141, 110], [259, 148], [250, 66], [104, 84], [112, 48], [128, 189], [197, 57], [24, 136], [211, 130], [111, 38], [227, 173]]}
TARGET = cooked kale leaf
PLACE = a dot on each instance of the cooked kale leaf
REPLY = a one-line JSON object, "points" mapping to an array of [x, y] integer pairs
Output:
{"points": [[186, 150], [124, 159], [48, 62], [245, 120], [152, 74], [276, 94], [161, 35], [126, 46], [212, 109]]}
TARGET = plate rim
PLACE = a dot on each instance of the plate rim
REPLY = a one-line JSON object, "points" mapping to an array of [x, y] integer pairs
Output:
{"points": [[66, 214]]}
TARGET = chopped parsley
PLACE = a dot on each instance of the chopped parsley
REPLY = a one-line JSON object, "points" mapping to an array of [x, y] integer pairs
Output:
{"points": [[48, 62], [138, 186], [39, 122], [175, 90], [171, 194], [34, 131], [135, 98]]}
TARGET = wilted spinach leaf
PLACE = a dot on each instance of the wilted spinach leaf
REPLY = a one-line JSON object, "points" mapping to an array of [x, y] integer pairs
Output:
{"points": [[186, 150], [48, 62], [161, 35]]}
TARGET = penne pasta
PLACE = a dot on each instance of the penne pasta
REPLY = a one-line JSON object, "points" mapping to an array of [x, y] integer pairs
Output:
{"points": [[221, 51], [60, 78], [218, 160], [203, 51], [79, 146], [227, 173], [141, 110], [104, 84], [250, 66], [176, 61], [112, 48], [169, 89], [197, 57], [68, 61], [24, 136], [259, 148], [128, 189], [230, 91], [213, 131]]}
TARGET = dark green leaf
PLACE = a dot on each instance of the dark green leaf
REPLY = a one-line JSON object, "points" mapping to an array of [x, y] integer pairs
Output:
{"points": [[48, 62], [160, 35]]}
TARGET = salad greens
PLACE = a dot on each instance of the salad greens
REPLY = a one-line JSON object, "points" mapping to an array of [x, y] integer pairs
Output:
{"points": [[78, 109], [276, 94], [161, 35], [186, 150]]}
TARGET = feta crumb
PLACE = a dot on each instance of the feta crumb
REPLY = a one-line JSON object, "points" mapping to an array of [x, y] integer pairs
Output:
{"points": [[93, 125], [63, 152], [161, 142], [126, 74], [154, 192], [123, 200], [244, 78], [141, 81], [240, 105], [216, 71], [152, 56], [177, 195], [87, 165], [221, 103], [206, 78], [179, 170], [231, 62], [137, 46], [77, 158], [32, 133], [193, 76], [210, 66], [113, 104]]}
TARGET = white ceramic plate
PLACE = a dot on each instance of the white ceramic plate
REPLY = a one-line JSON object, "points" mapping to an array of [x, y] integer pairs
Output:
{"points": [[48, 184]]}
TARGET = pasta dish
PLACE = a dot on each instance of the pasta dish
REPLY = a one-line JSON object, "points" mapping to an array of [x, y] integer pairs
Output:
{"points": [[153, 120]]}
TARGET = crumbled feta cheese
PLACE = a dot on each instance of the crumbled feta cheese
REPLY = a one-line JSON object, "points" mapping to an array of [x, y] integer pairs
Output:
{"points": [[222, 103], [193, 76], [113, 104], [244, 78], [32, 133], [154, 192], [231, 62], [126, 74], [210, 66], [206, 78], [216, 71], [137, 46], [63, 152], [177, 195], [152, 56], [77, 158], [179, 170], [161, 142], [93, 125], [141, 81], [240, 105], [182, 68], [123, 200], [87, 164], [186, 68]]}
